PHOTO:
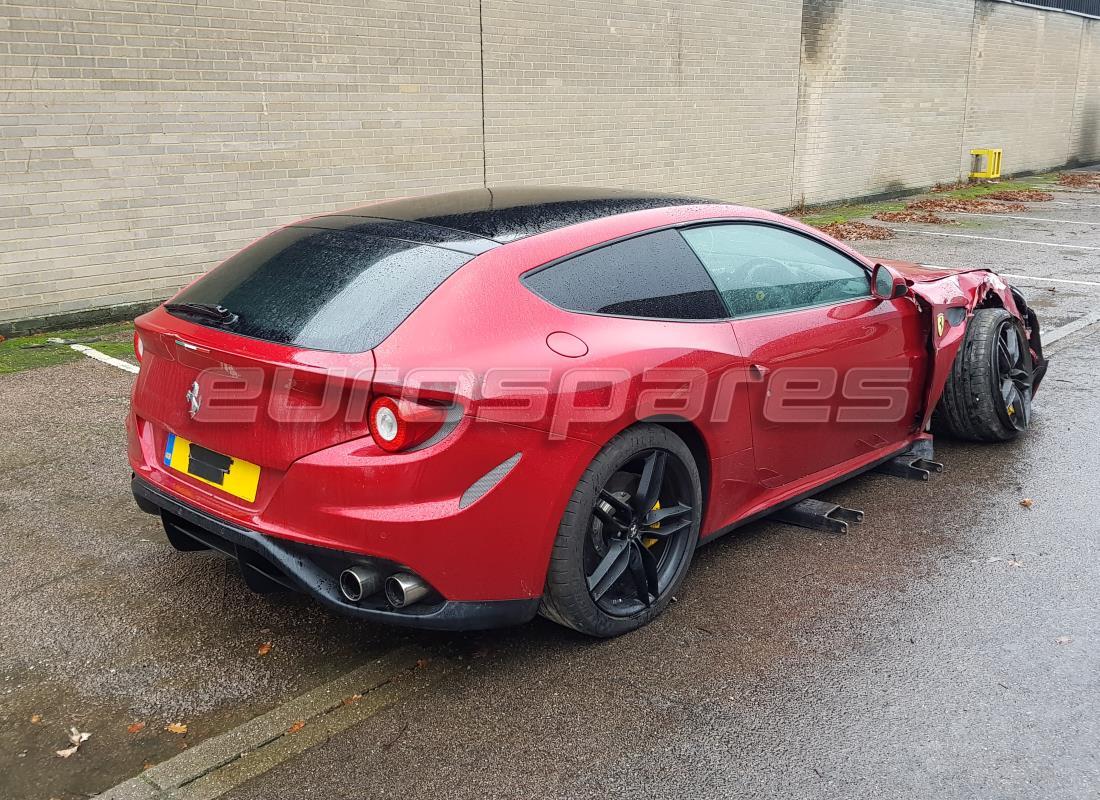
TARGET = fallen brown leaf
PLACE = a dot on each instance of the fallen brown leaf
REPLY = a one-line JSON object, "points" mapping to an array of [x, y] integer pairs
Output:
{"points": [[77, 737], [1027, 502], [1021, 196], [908, 215], [264, 649], [297, 726], [856, 230], [35, 719], [422, 662], [970, 204], [135, 727], [949, 187], [176, 727], [1080, 180], [355, 698]]}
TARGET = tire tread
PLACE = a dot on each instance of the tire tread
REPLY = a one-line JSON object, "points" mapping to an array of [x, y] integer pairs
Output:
{"points": [[967, 407]]}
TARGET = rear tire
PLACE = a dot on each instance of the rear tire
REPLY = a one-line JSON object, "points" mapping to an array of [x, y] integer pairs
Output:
{"points": [[987, 397], [593, 530]]}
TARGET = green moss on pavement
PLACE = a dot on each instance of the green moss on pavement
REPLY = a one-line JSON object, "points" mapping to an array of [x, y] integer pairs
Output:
{"points": [[846, 213], [856, 211], [32, 352]]}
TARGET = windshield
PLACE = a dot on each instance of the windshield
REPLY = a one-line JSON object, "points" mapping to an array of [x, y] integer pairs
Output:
{"points": [[321, 289]]}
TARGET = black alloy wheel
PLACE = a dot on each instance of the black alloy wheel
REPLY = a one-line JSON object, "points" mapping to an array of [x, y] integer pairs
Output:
{"points": [[988, 393], [627, 536], [1014, 376], [640, 528]]}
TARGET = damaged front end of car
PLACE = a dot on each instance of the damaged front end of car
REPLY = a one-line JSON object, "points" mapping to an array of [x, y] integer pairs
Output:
{"points": [[948, 299]]}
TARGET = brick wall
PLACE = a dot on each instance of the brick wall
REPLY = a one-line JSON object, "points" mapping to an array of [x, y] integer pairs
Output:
{"points": [[881, 95], [142, 141], [1084, 145], [693, 97], [1023, 79]]}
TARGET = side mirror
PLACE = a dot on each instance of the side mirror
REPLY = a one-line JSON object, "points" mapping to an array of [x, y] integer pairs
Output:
{"points": [[887, 284]]}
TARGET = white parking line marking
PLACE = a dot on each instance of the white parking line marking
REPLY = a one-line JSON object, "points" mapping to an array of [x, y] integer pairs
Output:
{"points": [[91, 352], [1030, 219], [1017, 276], [994, 239], [1075, 205], [1040, 279], [1062, 331]]}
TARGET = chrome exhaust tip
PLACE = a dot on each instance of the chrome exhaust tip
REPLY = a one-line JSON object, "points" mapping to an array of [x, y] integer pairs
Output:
{"points": [[403, 589], [358, 582]]}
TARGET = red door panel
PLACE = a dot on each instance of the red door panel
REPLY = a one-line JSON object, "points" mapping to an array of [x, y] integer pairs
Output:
{"points": [[831, 383]]}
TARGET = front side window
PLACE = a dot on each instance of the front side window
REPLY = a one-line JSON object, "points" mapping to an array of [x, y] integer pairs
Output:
{"points": [[761, 268], [655, 275]]}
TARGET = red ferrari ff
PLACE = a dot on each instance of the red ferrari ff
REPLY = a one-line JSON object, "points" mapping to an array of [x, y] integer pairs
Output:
{"points": [[460, 410]]}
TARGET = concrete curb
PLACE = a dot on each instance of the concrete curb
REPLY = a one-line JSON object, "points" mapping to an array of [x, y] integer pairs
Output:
{"points": [[216, 765]]}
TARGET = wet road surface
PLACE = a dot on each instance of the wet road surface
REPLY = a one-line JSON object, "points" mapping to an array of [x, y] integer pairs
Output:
{"points": [[918, 656], [948, 645], [104, 625]]}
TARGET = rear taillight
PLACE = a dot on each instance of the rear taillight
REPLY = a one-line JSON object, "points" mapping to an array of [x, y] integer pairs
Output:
{"points": [[399, 424], [139, 348]]}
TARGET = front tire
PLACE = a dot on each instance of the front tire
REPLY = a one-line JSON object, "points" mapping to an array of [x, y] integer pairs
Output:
{"points": [[627, 536], [987, 397]]}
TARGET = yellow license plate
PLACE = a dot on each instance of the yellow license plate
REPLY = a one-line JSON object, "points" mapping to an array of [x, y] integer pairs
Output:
{"points": [[232, 475]]}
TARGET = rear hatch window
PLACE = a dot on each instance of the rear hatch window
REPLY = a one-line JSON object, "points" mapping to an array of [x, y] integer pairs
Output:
{"points": [[319, 289]]}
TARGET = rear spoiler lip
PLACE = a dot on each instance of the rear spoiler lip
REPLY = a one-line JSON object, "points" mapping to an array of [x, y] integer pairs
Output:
{"points": [[177, 334]]}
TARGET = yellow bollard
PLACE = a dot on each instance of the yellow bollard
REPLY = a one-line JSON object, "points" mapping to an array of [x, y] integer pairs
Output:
{"points": [[992, 163]]}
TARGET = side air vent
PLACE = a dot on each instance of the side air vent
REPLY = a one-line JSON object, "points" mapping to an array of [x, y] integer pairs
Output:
{"points": [[482, 485]]}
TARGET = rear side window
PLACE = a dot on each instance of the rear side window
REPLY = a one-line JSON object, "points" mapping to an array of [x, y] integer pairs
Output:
{"points": [[655, 275], [323, 289]]}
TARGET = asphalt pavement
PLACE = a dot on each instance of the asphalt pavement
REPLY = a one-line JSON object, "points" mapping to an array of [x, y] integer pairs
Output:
{"points": [[948, 646]]}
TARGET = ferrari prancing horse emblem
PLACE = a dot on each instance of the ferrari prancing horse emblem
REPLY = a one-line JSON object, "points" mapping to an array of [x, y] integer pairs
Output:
{"points": [[193, 399], [941, 323]]}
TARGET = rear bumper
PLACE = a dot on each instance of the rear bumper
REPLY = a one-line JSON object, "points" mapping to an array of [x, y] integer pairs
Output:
{"points": [[268, 562], [412, 509]]}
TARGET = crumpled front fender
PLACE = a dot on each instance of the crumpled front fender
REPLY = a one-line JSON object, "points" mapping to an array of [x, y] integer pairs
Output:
{"points": [[949, 301]]}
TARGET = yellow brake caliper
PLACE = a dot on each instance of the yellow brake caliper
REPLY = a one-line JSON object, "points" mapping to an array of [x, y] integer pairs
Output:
{"points": [[649, 541]]}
